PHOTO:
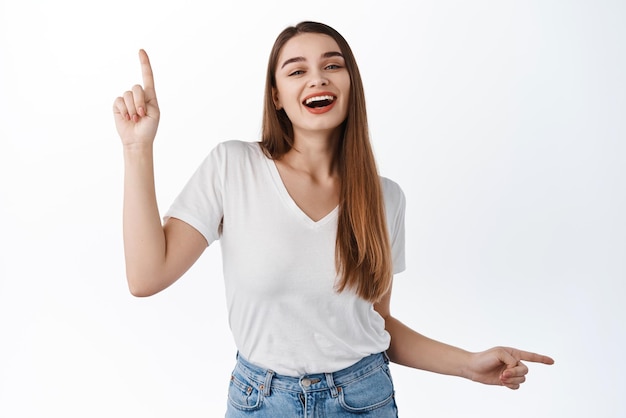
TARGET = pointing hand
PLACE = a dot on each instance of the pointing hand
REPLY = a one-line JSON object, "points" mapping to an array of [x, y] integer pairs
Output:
{"points": [[136, 112]]}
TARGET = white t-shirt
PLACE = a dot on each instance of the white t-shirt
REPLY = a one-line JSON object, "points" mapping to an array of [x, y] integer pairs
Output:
{"points": [[279, 265]]}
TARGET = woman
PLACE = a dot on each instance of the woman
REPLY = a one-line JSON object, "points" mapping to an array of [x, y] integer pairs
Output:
{"points": [[311, 236]]}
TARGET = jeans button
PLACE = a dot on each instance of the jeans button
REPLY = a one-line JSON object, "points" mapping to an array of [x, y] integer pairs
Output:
{"points": [[306, 382]]}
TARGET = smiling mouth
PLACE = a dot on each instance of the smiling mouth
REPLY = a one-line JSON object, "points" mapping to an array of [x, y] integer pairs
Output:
{"points": [[319, 101]]}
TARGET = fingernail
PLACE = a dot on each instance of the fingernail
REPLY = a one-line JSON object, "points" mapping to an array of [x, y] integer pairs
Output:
{"points": [[141, 111]]}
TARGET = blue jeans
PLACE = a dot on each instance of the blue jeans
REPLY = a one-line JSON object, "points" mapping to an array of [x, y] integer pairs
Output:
{"points": [[363, 390]]}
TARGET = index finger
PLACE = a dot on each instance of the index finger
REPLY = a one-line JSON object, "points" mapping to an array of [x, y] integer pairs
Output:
{"points": [[536, 358], [146, 70]]}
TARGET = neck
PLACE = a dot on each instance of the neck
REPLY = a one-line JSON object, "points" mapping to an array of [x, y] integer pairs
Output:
{"points": [[313, 154]]}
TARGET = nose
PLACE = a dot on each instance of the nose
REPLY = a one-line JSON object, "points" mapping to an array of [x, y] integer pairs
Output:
{"points": [[318, 79]]}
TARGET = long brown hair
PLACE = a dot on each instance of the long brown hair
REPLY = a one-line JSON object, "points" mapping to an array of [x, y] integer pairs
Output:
{"points": [[362, 255]]}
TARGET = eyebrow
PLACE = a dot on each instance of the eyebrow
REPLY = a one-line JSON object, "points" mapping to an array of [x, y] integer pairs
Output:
{"points": [[300, 59]]}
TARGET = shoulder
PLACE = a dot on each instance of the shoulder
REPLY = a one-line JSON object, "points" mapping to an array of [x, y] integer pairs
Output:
{"points": [[392, 192], [229, 154], [233, 152], [236, 147]]}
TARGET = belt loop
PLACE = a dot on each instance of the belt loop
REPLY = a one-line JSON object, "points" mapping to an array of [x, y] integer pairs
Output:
{"points": [[386, 357], [331, 385], [268, 383]]}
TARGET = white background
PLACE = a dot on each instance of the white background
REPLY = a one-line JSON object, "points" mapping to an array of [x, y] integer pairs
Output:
{"points": [[503, 121]]}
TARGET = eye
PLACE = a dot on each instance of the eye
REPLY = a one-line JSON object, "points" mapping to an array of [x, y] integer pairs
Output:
{"points": [[333, 67], [296, 72]]}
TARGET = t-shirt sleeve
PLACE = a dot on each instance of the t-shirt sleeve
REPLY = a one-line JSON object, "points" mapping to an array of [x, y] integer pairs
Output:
{"points": [[395, 205], [200, 203]]}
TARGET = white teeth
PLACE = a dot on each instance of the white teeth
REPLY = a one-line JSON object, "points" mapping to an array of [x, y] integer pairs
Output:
{"points": [[318, 99]]}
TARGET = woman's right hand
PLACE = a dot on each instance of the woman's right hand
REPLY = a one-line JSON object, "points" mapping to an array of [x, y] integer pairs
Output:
{"points": [[136, 112]]}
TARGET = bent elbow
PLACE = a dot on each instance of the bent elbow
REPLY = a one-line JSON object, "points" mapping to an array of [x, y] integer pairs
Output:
{"points": [[139, 292], [147, 283], [140, 286]]}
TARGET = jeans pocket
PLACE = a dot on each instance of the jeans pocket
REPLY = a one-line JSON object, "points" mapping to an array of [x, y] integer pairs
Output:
{"points": [[370, 392], [244, 394]]}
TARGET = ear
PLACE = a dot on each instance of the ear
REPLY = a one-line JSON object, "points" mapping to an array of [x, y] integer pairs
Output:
{"points": [[275, 99]]}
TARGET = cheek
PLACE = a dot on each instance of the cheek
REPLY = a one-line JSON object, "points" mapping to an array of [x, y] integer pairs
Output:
{"points": [[346, 87], [347, 92], [285, 96]]}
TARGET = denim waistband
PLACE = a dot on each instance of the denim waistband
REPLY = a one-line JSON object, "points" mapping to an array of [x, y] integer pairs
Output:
{"points": [[267, 379]]}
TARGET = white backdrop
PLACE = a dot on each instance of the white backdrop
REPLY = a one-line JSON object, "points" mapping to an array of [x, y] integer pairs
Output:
{"points": [[503, 121]]}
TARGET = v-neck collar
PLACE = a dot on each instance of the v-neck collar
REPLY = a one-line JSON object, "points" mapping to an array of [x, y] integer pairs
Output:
{"points": [[290, 203]]}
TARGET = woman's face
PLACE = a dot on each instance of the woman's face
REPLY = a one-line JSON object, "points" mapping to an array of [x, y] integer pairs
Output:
{"points": [[312, 84]]}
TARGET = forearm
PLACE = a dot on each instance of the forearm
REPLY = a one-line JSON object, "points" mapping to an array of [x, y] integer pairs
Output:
{"points": [[409, 348], [144, 238]]}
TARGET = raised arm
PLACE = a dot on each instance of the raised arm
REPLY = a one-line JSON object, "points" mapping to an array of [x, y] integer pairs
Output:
{"points": [[156, 255], [496, 366]]}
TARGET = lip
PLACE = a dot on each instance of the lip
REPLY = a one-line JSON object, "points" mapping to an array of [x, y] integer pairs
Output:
{"points": [[320, 110]]}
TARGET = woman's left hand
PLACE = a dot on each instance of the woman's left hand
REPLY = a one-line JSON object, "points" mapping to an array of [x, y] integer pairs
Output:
{"points": [[503, 366]]}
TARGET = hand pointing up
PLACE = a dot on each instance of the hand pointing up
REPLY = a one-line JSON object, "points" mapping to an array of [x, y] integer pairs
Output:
{"points": [[137, 113]]}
